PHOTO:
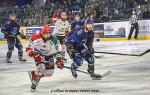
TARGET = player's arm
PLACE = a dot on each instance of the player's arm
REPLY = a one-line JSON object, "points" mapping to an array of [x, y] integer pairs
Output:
{"points": [[31, 53], [58, 57], [90, 43], [20, 34], [82, 23], [56, 42], [72, 26], [5, 29], [66, 28], [76, 37]]}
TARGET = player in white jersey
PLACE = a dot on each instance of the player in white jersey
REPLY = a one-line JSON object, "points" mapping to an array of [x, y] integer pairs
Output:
{"points": [[60, 30]]}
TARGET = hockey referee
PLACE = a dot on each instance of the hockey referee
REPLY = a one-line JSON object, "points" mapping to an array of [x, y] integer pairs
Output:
{"points": [[134, 25]]}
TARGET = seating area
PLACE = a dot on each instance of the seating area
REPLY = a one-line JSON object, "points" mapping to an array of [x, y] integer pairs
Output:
{"points": [[35, 14]]}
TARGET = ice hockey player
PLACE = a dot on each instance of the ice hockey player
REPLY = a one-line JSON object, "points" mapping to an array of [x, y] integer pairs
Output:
{"points": [[44, 47], [61, 28], [10, 28], [80, 46], [77, 24]]}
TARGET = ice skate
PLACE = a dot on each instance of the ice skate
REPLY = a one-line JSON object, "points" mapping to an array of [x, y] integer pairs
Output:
{"points": [[8, 60]]}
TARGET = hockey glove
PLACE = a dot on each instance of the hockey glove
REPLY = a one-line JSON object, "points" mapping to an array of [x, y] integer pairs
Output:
{"points": [[91, 49], [70, 49], [36, 56], [22, 36], [60, 64]]}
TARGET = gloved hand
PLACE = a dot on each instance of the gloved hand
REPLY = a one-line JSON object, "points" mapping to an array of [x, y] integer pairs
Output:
{"points": [[82, 42], [38, 58], [6, 36], [60, 64], [22, 36], [70, 49], [91, 49]]}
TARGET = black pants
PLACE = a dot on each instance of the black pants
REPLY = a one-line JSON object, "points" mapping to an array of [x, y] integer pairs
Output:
{"points": [[136, 27], [61, 39], [14, 42]]}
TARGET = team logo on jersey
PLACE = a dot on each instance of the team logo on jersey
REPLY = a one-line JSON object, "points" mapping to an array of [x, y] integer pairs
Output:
{"points": [[79, 33], [14, 30]]}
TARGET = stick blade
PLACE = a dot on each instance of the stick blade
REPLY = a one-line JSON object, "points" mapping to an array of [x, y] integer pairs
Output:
{"points": [[107, 73]]}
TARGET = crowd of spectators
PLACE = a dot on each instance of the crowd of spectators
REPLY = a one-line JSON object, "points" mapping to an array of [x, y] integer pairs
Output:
{"points": [[99, 10], [108, 10]]}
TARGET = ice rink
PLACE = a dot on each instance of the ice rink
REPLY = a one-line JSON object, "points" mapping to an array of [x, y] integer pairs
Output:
{"points": [[130, 75]]}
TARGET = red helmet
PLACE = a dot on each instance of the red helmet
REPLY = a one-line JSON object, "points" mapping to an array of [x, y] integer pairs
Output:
{"points": [[46, 29]]}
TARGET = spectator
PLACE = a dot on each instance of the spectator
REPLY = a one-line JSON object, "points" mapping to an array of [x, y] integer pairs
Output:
{"points": [[146, 14], [101, 10]]}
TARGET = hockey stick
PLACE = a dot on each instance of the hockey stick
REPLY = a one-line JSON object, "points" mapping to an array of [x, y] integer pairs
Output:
{"points": [[77, 70], [103, 75], [145, 52], [98, 56], [45, 62]]}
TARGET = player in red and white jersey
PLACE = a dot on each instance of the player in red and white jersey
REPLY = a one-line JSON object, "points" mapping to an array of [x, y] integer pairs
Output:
{"points": [[43, 47]]}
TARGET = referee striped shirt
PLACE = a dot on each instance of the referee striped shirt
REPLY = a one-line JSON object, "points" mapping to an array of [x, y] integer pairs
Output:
{"points": [[133, 19]]}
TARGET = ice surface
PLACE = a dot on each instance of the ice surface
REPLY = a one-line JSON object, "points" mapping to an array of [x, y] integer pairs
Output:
{"points": [[130, 75]]}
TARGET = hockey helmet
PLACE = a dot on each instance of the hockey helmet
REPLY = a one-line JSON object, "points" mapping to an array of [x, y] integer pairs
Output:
{"points": [[89, 21], [46, 29]]}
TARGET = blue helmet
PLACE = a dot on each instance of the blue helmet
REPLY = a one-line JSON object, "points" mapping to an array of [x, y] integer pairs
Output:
{"points": [[89, 21]]}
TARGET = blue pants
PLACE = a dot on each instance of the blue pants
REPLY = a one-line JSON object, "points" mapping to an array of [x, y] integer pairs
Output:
{"points": [[78, 59], [14, 42]]}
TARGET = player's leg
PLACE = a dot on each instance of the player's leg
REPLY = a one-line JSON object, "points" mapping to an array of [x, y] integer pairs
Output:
{"points": [[62, 42], [131, 31], [90, 59], [63, 48], [10, 43], [19, 46], [44, 69], [36, 76], [49, 70], [136, 31], [77, 62], [49, 66]]}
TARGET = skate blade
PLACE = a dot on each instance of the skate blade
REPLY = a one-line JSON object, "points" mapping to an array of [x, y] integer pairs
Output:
{"points": [[96, 78], [32, 90]]}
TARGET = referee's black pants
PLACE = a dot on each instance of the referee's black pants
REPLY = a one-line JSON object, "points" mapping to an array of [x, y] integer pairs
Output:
{"points": [[136, 27]]}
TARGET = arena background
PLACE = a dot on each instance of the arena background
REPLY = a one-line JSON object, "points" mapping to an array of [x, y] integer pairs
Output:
{"points": [[130, 74], [110, 16]]}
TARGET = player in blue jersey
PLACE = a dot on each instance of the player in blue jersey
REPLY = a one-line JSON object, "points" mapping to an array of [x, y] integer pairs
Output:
{"points": [[10, 28], [80, 46], [77, 24]]}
